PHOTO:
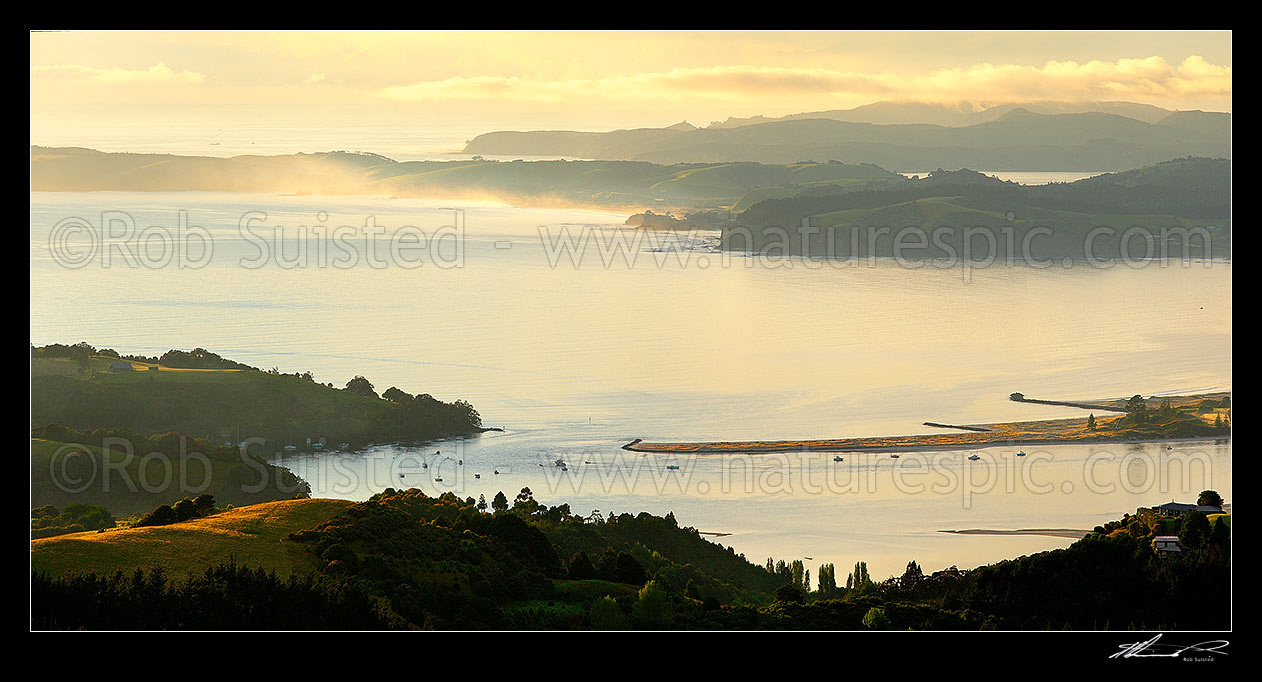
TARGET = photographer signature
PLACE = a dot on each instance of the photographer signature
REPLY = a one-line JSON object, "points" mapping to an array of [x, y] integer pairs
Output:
{"points": [[1151, 649]]}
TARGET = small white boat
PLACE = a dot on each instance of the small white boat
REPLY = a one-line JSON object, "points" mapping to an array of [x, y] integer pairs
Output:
{"points": [[974, 457], [1021, 453]]}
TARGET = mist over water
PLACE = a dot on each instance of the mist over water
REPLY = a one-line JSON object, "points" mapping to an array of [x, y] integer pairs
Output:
{"points": [[574, 362]]}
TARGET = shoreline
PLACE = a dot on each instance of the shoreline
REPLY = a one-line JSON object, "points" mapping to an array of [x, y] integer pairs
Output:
{"points": [[1063, 431], [842, 445], [1070, 533]]}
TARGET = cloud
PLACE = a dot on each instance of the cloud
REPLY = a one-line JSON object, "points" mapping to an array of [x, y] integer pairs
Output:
{"points": [[1149, 77], [159, 72]]}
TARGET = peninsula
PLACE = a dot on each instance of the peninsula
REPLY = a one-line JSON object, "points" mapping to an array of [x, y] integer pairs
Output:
{"points": [[1203, 415]]}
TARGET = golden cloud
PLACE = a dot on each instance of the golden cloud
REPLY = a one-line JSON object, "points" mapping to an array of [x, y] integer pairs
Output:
{"points": [[1150, 76], [157, 72]]}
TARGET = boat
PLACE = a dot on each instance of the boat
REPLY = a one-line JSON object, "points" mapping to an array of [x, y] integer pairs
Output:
{"points": [[1021, 453], [974, 457], [672, 467], [839, 458], [559, 463], [894, 456], [291, 448], [477, 475]]}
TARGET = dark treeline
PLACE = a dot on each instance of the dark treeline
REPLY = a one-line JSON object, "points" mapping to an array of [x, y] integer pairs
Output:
{"points": [[199, 358], [406, 560], [225, 597]]}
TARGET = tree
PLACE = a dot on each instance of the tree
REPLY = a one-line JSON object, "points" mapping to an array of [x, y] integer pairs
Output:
{"points": [[789, 593], [580, 567], [1137, 409], [875, 619], [395, 395], [1195, 530], [500, 503], [859, 580], [1209, 498], [912, 576], [1091, 422], [361, 386], [1220, 535], [470, 414], [481, 502], [827, 580], [621, 568], [606, 615], [525, 502], [651, 609], [204, 503]]}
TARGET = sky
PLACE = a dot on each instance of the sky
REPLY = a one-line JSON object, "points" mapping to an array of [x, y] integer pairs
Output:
{"points": [[91, 84]]}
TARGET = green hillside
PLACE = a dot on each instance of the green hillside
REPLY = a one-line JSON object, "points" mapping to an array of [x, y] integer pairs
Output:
{"points": [[137, 474], [231, 405]]}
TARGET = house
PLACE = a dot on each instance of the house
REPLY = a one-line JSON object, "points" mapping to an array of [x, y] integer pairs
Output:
{"points": [[1166, 544], [1174, 509], [121, 367]]}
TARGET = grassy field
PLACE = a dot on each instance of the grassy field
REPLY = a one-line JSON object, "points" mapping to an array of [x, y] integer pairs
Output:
{"points": [[63, 474], [256, 536]]}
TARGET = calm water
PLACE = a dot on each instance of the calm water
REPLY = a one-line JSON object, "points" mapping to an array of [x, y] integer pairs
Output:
{"points": [[574, 357]]}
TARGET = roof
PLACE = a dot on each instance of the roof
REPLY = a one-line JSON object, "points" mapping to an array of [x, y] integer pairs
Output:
{"points": [[1183, 507]]}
